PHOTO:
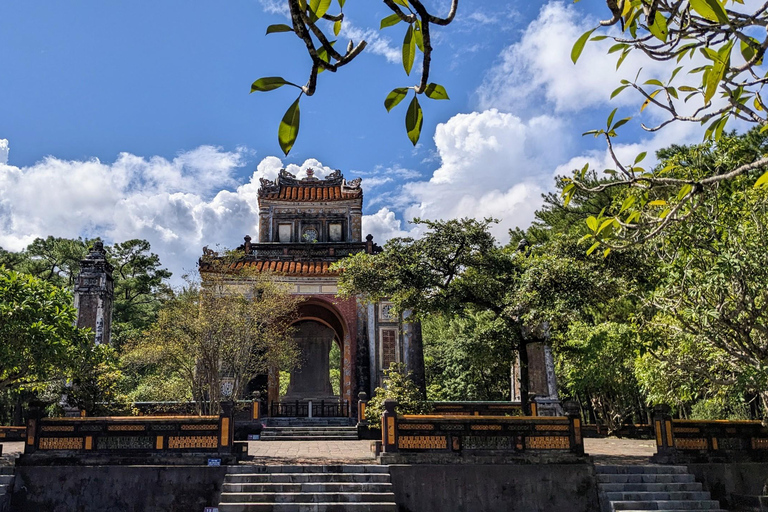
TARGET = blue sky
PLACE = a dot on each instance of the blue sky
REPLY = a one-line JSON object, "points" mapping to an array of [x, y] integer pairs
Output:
{"points": [[134, 119]]}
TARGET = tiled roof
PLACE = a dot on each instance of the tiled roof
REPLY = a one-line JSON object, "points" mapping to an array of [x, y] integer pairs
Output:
{"points": [[289, 268], [313, 193]]}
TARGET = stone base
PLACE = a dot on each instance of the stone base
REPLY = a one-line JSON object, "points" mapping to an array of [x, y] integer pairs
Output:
{"points": [[63, 458], [529, 457]]}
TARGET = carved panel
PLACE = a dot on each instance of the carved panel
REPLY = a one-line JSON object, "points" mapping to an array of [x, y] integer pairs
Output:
{"points": [[488, 443], [126, 428], [698, 443], [552, 427], [200, 427], [416, 426], [125, 443], [177, 442], [485, 427], [686, 430], [759, 443], [422, 442], [57, 428], [61, 443], [731, 443], [548, 443]]}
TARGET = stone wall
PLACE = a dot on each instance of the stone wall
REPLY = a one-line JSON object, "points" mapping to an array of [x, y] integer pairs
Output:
{"points": [[722, 480], [495, 488], [123, 488]]}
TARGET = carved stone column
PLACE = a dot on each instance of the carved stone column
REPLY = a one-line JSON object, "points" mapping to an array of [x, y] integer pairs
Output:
{"points": [[94, 292]]}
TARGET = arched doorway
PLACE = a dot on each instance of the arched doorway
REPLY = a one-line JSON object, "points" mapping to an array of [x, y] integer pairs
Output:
{"points": [[318, 327]]}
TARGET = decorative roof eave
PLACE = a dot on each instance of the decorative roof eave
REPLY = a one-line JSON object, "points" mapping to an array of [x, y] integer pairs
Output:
{"points": [[288, 188], [282, 268]]}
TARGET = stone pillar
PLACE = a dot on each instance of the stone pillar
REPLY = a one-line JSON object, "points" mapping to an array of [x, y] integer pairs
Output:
{"points": [[542, 381], [265, 225], [94, 291], [356, 223], [413, 351]]}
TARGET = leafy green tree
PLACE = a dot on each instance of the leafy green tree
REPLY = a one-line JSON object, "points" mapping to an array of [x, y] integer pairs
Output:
{"points": [[729, 35], [467, 357], [140, 288], [221, 330], [55, 259], [397, 385], [37, 331]]}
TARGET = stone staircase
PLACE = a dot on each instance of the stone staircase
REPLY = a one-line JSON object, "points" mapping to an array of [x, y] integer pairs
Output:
{"points": [[309, 429], [653, 487], [349, 488], [6, 485]]}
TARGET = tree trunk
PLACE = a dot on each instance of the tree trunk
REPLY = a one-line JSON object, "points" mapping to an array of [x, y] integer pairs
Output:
{"points": [[522, 349]]}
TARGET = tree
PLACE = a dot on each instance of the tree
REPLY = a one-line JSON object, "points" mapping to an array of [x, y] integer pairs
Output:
{"points": [[305, 16], [55, 259], [140, 287], [457, 269], [724, 33], [224, 329], [37, 331], [398, 385]]}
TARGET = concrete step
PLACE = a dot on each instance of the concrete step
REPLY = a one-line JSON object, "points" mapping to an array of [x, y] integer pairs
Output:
{"points": [[327, 468], [293, 478], [6, 479], [309, 422], [650, 487], [307, 497], [308, 487], [666, 505], [657, 496], [648, 469], [308, 507], [638, 478]]}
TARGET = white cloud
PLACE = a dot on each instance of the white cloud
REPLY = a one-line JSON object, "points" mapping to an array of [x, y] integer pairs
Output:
{"points": [[493, 164], [377, 44], [539, 65], [179, 205], [4, 151]]}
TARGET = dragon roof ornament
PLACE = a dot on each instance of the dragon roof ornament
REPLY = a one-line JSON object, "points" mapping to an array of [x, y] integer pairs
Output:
{"points": [[287, 179]]}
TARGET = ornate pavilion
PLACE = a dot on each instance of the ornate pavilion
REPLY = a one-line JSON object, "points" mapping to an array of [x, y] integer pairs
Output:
{"points": [[305, 225]]}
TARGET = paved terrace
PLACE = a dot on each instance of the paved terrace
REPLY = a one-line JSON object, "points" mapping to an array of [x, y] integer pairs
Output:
{"points": [[604, 451]]}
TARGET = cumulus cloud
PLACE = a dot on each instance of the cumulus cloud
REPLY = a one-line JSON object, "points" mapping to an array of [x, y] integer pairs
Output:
{"points": [[539, 65], [4, 151], [179, 205], [493, 164]]}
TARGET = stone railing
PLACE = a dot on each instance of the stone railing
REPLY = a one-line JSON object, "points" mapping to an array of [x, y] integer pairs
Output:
{"points": [[480, 435], [132, 435], [12, 434], [680, 441], [477, 408], [319, 250]]}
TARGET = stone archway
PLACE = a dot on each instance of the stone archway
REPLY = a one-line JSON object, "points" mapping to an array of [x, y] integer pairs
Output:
{"points": [[319, 324]]}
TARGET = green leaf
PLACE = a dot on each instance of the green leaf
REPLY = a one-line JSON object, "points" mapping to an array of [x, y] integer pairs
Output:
{"points": [[289, 127], [270, 83], [604, 225], [653, 81], [280, 27], [621, 58], [658, 202], [436, 92], [319, 7], [341, 3], [606, 252], [414, 119], [391, 20], [659, 27], [710, 9], [404, 3], [584, 170], [621, 122], [418, 36], [616, 47], [628, 203], [592, 249], [640, 157], [610, 118], [578, 46], [336, 27], [618, 90], [592, 223], [684, 191], [409, 50], [762, 180], [395, 97]]}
